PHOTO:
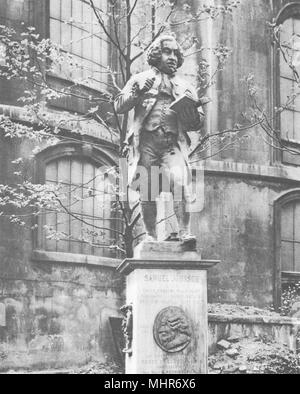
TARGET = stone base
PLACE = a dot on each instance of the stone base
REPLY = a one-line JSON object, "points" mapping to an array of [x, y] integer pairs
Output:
{"points": [[167, 250], [167, 288]]}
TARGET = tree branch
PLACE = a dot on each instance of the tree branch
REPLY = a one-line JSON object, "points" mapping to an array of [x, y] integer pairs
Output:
{"points": [[102, 24], [83, 221]]}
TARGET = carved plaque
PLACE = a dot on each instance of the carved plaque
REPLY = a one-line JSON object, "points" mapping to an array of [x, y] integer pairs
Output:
{"points": [[172, 329]]}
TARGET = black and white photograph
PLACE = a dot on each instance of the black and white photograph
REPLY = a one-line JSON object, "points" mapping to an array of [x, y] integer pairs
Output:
{"points": [[149, 189]]}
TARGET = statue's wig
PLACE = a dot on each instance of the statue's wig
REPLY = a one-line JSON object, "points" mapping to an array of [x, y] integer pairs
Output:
{"points": [[155, 51]]}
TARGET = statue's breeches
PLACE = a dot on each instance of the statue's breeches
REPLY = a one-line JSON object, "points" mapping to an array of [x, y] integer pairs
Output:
{"points": [[162, 167]]}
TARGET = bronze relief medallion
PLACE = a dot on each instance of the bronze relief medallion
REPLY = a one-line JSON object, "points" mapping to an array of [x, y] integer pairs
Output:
{"points": [[172, 330]]}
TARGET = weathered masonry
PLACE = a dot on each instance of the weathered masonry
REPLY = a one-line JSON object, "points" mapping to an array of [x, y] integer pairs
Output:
{"points": [[56, 296]]}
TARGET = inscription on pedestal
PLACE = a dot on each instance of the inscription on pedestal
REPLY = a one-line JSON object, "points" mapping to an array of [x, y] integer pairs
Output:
{"points": [[172, 329]]}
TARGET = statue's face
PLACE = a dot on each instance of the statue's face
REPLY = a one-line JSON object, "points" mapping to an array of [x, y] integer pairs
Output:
{"points": [[169, 59]]}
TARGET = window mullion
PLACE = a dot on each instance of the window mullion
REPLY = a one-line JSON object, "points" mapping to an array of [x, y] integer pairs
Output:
{"points": [[70, 207], [294, 213], [82, 205], [56, 214], [93, 202]]}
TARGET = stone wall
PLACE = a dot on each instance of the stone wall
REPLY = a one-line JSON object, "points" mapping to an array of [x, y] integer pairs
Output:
{"points": [[237, 227], [58, 315], [282, 330]]}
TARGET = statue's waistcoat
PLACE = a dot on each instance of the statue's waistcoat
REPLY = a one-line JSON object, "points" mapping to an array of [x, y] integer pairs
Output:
{"points": [[160, 115]]}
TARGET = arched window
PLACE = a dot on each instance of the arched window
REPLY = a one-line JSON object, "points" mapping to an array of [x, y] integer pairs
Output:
{"points": [[290, 237], [287, 243], [290, 41], [288, 68], [74, 25], [83, 220]]}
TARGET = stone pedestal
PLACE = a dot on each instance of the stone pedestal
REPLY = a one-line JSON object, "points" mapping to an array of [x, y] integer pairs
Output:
{"points": [[167, 291]]}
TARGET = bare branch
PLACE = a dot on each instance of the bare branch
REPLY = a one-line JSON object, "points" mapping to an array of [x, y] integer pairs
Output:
{"points": [[132, 8], [84, 221], [160, 31], [102, 24], [223, 132]]}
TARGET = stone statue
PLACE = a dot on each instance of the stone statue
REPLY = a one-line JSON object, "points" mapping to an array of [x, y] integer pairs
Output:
{"points": [[157, 136]]}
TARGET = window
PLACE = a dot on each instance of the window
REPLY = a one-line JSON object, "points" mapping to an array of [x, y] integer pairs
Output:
{"points": [[290, 237], [89, 225], [74, 25], [289, 89], [287, 242]]}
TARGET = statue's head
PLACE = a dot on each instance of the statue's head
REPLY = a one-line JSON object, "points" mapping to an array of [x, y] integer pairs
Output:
{"points": [[166, 54]]}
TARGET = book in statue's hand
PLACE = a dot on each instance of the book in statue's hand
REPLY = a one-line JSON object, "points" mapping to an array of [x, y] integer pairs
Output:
{"points": [[187, 110], [186, 102]]}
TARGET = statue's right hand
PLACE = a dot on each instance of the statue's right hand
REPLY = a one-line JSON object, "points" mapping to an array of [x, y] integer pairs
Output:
{"points": [[136, 89], [148, 85]]}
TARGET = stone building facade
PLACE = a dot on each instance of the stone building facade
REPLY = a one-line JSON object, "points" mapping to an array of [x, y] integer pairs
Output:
{"points": [[56, 299]]}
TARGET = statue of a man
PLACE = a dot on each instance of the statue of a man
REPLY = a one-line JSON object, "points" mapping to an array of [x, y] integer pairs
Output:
{"points": [[157, 136]]}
